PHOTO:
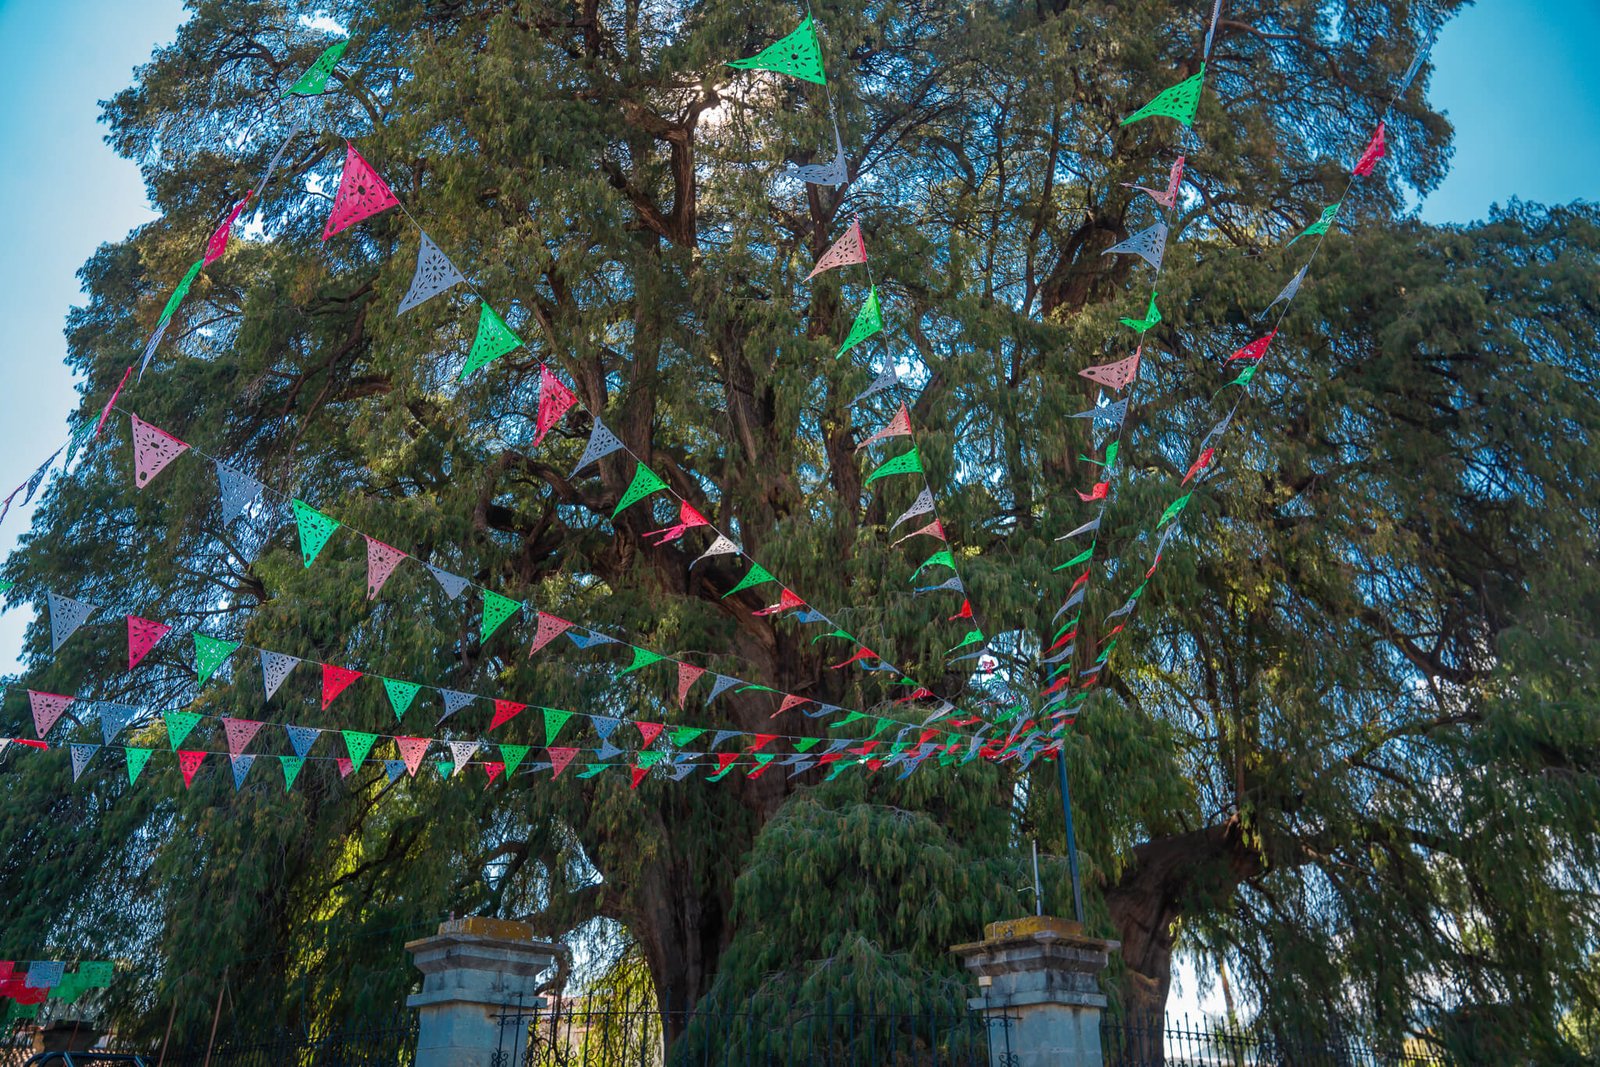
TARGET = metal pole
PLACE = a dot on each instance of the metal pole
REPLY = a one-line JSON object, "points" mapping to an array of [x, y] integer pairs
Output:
{"points": [[1072, 838]]}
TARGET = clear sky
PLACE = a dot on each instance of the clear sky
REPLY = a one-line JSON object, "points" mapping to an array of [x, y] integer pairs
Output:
{"points": [[1516, 77]]}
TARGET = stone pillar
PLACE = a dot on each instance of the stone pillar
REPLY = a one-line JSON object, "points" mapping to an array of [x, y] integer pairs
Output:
{"points": [[473, 970], [1038, 989]]}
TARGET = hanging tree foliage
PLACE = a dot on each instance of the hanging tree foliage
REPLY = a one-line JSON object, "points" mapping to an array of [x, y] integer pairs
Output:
{"points": [[1342, 744]]}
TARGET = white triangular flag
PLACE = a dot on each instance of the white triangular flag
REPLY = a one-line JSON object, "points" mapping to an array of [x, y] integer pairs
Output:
{"points": [[1288, 293], [81, 755], [921, 506], [275, 667], [1148, 244], [1088, 527], [720, 547], [888, 379], [461, 752], [452, 584], [602, 442]]}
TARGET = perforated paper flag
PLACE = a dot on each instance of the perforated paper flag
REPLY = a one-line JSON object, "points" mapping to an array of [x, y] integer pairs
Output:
{"points": [[933, 529], [757, 575], [315, 529], [434, 274], [869, 321], [382, 559], [412, 749], [496, 610], [315, 78], [952, 584], [1321, 226], [113, 718], [1151, 317], [835, 172], [1167, 198], [44, 975], [461, 752], [887, 380], [142, 637], [898, 426], [219, 237], [642, 657], [189, 763], [392, 768], [358, 743], [1174, 509], [180, 724], [238, 492], [494, 339], [688, 674], [554, 720], [336, 680], [1289, 292], [209, 654], [1202, 462], [81, 755], [275, 667], [548, 629], [240, 732], [920, 506], [505, 711], [1106, 414], [942, 558], [301, 738], [241, 767], [848, 250], [1255, 350], [688, 519], [645, 482], [798, 55], [291, 769], [66, 615], [452, 584], [602, 442], [362, 194], [1116, 375], [555, 399], [400, 694], [1149, 244], [1178, 102], [1376, 149], [137, 758], [453, 702], [720, 686], [788, 600], [560, 759], [908, 463], [722, 546]]}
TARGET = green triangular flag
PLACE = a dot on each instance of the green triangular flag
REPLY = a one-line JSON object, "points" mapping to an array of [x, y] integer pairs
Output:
{"points": [[883, 724], [209, 654], [137, 758], [554, 720], [315, 529], [592, 769], [1082, 557], [645, 482], [496, 610], [758, 576], [445, 768], [1151, 317], [401, 694], [179, 723], [720, 775], [854, 716], [910, 463], [869, 320], [806, 744], [358, 743], [683, 735], [5, 587], [513, 755], [1107, 650], [649, 757], [1244, 376], [1172, 510], [941, 558], [1320, 226], [797, 55], [312, 82], [974, 637], [494, 340], [1178, 102], [291, 769], [836, 633], [642, 657], [181, 291]]}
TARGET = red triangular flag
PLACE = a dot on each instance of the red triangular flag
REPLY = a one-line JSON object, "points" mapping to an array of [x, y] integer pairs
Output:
{"points": [[412, 749], [554, 400], [493, 768], [548, 630], [1377, 148], [345, 765], [1255, 349], [789, 701], [762, 741], [687, 675], [142, 637], [505, 711], [724, 759], [361, 194], [219, 239], [189, 762], [964, 613], [899, 426], [688, 518], [381, 562], [335, 680], [847, 250], [559, 758], [786, 601], [638, 775], [1199, 465], [861, 654], [649, 731], [1097, 493]]}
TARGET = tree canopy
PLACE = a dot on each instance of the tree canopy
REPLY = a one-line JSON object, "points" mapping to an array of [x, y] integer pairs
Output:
{"points": [[1344, 744]]}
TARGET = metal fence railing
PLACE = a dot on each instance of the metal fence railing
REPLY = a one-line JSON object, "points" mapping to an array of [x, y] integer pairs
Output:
{"points": [[1214, 1043]]}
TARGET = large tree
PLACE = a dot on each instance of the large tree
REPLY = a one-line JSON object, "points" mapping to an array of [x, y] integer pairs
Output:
{"points": [[1338, 745]]}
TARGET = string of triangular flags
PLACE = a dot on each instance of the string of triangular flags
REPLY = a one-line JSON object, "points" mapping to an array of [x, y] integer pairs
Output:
{"points": [[26, 984]]}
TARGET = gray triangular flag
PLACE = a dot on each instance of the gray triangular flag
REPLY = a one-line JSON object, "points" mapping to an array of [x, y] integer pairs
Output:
{"points": [[1063, 654], [1148, 244], [723, 735], [1168, 532], [1416, 65], [952, 583], [837, 744], [588, 639], [605, 725], [1105, 413], [113, 718], [453, 702], [803, 766], [452, 584], [1288, 293], [921, 506], [301, 738], [1126, 609], [822, 709], [679, 771], [722, 685], [272, 164], [835, 173], [241, 767], [606, 750], [66, 615], [154, 343], [461, 752], [1211, 31], [1074, 599], [887, 380], [81, 755], [394, 768], [602, 442], [1216, 431], [238, 492], [434, 274], [720, 547], [1088, 527], [275, 667]]}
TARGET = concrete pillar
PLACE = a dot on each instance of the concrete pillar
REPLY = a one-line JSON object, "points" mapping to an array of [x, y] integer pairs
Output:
{"points": [[473, 970], [1039, 991]]}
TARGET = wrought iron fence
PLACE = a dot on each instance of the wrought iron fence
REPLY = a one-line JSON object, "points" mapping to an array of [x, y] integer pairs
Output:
{"points": [[391, 1043], [1214, 1043]]}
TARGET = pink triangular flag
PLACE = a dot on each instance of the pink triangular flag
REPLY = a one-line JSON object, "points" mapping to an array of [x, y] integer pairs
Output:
{"points": [[1115, 375], [412, 749], [335, 680], [1255, 349], [153, 449], [899, 426], [505, 711], [688, 518], [649, 731], [361, 194], [47, 708], [1168, 199], [559, 758], [548, 630], [1377, 148], [381, 562], [862, 653], [786, 601], [239, 732], [189, 762], [933, 529], [789, 701], [345, 764], [554, 400], [846, 250], [142, 637], [219, 240], [687, 676], [1198, 465]]}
